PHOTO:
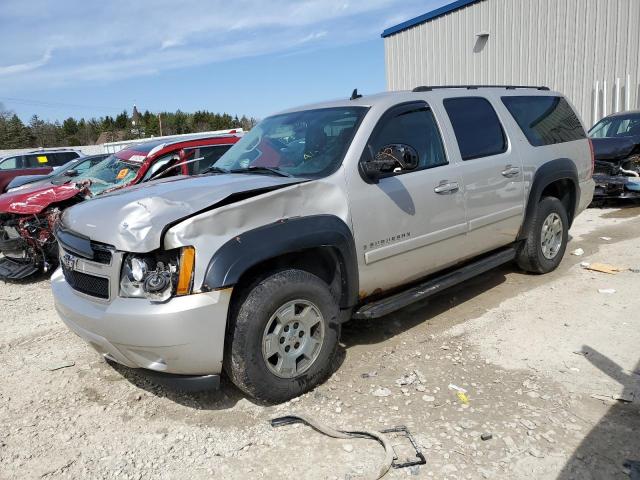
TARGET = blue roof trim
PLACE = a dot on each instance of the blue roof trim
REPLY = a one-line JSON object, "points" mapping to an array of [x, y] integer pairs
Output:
{"points": [[438, 12]]}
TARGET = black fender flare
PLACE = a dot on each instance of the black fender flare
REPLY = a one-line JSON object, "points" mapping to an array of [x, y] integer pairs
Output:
{"points": [[554, 170], [283, 237]]}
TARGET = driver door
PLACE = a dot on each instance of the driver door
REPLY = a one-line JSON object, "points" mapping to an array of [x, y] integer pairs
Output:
{"points": [[412, 222]]}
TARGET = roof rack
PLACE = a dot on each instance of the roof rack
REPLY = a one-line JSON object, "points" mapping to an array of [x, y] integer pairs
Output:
{"points": [[52, 149], [428, 88]]}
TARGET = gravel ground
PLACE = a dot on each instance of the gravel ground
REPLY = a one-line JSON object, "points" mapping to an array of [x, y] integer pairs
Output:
{"points": [[550, 366]]}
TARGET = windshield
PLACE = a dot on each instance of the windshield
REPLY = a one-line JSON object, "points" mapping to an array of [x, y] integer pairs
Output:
{"points": [[618, 126], [109, 173], [310, 143]]}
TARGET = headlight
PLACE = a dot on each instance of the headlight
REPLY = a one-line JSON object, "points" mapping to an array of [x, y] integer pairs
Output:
{"points": [[158, 276]]}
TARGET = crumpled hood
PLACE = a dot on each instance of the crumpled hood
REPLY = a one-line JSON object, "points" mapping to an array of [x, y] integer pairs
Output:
{"points": [[134, 219], [615, 148], [35, 199]]}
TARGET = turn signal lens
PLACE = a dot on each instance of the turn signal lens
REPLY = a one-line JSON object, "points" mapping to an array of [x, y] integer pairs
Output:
{"points": [[185, 278]]}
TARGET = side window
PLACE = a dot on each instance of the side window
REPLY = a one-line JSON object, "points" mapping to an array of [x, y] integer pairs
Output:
{"points": [[11, 163], [56, 159], [545, 120], [416, 128], [37, 161], [478, 130], [209, 155], [64, 157]]}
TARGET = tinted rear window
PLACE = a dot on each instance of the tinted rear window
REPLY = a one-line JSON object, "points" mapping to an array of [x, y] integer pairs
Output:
{"points": [[478, 130], [545, 120]]}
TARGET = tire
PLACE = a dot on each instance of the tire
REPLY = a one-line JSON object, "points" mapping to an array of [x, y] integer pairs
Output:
{"points": [[531, 254], [270, 308]]}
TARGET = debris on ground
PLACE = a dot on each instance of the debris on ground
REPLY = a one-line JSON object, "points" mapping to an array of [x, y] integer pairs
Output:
{"points": [[343, 434], [616, 397], [486, 436], [60, 365], [607, 291], [606, 239], [457, 388], [578, 252], [604, 268], [381, 392]]}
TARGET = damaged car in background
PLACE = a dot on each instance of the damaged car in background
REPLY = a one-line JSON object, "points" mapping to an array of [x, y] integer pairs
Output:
{"points": [[616, 144], [29, 215]]}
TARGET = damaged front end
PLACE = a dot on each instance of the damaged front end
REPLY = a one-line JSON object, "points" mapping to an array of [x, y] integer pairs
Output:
{"points": [[617, 168], [27, 244]]}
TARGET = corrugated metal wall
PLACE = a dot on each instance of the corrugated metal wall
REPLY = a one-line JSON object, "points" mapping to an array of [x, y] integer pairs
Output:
{"points": [[578, 47]]}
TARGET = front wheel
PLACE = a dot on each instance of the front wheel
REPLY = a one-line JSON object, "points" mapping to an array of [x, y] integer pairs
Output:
{"points": [[284, 336], [547, 238]]}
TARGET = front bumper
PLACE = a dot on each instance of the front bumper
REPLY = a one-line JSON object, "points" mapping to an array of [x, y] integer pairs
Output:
{"points": [[182, 336]]}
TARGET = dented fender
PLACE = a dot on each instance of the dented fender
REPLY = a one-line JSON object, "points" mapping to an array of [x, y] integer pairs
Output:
{"points": [[210, 230]]}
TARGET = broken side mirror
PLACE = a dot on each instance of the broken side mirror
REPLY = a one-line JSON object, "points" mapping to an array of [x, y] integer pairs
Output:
{"points": [[390, 158]]}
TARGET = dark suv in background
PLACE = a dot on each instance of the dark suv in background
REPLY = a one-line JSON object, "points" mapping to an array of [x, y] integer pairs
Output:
{"points": [[36, 162]]}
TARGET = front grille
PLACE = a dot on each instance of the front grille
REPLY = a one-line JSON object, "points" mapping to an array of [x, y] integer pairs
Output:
{"points": [[101, 253], [83, 247], [87, 284]]}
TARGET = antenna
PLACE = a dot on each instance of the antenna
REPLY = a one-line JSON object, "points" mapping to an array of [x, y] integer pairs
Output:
{"points": [[355, 95]]}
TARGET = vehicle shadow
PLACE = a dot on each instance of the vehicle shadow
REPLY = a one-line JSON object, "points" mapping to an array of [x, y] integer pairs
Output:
{"points": [[227, 396], [612, 447], [223, 398], [368, 332]]}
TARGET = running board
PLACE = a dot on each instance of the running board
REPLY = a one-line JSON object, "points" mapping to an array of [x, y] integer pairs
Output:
{"points": [[384, 306]]}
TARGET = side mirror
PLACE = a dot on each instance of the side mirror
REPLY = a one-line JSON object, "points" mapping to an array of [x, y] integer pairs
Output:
{"points": [[71, 173], [389, 159]]}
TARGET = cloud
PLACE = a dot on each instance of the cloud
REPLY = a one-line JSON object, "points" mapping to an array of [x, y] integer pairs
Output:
{"points": [[25, 67], [105, 41]]}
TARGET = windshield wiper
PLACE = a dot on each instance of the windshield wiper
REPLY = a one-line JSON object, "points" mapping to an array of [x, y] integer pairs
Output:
{"points": [[255, 169], [213, 169]]}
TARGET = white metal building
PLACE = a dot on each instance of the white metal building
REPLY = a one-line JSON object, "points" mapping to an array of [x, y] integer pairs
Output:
{"points": [[587, 49]]}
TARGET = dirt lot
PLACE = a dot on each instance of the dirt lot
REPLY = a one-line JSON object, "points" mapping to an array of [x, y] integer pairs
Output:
{"points": [[550, 365]]}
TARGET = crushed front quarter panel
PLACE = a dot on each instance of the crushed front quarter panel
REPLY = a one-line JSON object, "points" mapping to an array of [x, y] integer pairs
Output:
{"points": [[209, 230]]}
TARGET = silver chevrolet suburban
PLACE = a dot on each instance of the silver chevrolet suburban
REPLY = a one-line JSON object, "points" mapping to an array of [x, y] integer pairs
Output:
{"points": [[336, 211]]}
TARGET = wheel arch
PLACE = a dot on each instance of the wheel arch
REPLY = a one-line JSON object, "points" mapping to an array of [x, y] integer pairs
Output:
{"points": [[320, 244], [558, 178]]}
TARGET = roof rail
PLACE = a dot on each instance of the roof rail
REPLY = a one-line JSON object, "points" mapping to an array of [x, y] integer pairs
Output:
{"points": [[428, 88], [52, 149]]}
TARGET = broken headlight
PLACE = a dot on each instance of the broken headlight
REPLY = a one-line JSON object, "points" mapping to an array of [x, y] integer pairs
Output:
{"points": [[158, 276]]}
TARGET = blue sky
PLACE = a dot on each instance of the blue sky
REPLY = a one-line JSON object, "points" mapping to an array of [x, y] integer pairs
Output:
{"points": [[83, 58]]}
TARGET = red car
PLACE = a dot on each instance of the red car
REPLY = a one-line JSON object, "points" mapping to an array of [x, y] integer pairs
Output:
{"points": [[37, 162], [28, 216]]}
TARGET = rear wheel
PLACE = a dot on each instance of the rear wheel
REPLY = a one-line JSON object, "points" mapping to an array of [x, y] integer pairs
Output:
{"points": [[284, 336], [547, 237]]}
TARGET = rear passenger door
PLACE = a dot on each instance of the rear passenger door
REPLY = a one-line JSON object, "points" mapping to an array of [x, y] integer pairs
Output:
{"points": [[492, 173], [412, 222]]}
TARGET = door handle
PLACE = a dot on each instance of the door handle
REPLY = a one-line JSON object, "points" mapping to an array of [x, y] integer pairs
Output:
{"points": [[445, 187], [510, 171]]}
